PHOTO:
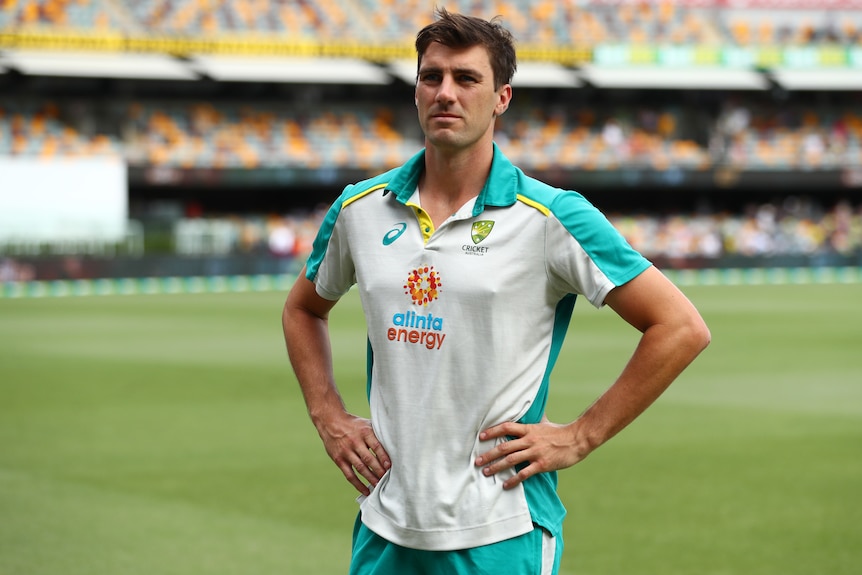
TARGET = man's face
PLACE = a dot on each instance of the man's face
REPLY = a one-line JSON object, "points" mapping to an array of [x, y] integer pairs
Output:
{"points": [[455, 96]]}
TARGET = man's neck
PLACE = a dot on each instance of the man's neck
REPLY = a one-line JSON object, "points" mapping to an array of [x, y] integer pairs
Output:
{"points": [[451, 180]]}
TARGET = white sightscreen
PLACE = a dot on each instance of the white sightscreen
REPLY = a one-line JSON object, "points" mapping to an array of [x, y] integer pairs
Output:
{"points": [[68, 199]]}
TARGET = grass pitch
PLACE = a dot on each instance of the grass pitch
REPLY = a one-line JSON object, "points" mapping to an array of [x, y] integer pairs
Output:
{"points": [[165, 435]]}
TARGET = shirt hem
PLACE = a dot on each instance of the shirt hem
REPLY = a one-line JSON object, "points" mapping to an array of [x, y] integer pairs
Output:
{"points": [[448, 540]]}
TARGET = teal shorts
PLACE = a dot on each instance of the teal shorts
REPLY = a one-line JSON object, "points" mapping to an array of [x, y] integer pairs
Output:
{"points": [[534, 553]]}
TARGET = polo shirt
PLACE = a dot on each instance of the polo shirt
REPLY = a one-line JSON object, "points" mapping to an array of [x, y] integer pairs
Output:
{"points": [[465, 323]]}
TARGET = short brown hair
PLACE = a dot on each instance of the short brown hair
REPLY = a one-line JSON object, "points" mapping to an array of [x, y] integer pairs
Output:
{"points": [[459, 31]]}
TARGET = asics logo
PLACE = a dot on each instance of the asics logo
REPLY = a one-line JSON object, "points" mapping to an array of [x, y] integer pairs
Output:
{"points": [[394, 233]]}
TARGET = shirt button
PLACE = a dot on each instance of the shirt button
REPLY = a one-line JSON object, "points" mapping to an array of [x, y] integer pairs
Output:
{"points": [[427, 230]]}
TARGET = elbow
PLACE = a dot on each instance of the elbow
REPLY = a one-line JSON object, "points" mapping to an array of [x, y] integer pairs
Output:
{"points": [[699, 334], [705, 338]]}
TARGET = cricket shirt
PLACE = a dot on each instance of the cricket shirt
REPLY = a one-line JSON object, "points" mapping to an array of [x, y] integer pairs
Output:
{"points": [[465, 323]]}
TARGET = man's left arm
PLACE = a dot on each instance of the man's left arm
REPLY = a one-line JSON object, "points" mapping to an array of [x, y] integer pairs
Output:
{"points": [[673, 334]]}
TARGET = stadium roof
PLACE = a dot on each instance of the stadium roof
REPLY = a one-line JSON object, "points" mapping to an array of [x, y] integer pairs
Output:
{"points": [[98, 65], [528, 74], [545, 75], [291, 70], [703, 78], [166, 67], [357, 71], [818, 79]]}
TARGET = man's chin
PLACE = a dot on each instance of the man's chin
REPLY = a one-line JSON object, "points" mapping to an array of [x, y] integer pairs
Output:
{"points": [[446, 140]]}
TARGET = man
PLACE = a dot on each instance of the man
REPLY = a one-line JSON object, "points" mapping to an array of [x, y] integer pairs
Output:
{"points": [[468, 272]]}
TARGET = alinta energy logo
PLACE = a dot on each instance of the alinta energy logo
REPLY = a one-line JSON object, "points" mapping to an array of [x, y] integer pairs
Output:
{"points": [[478, 232], [424, 286]]}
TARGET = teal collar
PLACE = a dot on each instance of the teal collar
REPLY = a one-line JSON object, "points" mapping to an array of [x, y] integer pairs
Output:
{"points": [[501, 187]]}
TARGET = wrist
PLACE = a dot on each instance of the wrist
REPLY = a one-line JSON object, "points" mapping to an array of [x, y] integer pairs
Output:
{"points": [[585, 438], [323, 413]]}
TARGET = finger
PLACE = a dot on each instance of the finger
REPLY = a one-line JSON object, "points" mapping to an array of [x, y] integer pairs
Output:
{"points": [[370, 467], [380, 454], [507, 462], [499, 451], [519, 477], [351, 476], [502, 430]]}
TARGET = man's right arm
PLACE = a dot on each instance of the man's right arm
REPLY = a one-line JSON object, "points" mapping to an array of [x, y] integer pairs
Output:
{"points": [[349, 440]]}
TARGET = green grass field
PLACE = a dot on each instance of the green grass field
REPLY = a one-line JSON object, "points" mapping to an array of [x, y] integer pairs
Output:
{"points": [[165, 434]]}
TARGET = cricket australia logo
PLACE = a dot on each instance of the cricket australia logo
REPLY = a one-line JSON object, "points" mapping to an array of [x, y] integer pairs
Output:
{"points": [[478, 232], [481, 229]]}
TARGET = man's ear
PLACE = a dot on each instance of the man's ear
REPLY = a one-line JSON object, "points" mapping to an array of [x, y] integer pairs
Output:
{"points": [[504, 100]]}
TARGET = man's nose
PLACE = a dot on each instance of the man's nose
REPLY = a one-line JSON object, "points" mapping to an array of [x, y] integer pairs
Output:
{"points": [[446, 91]]}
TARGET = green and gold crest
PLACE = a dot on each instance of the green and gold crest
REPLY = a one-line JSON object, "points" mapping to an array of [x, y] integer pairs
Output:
{"points": [[481, 229]]}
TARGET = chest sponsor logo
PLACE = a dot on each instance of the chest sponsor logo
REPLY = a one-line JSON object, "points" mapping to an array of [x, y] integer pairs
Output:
{"points": [[394, 233], [423, 286], [478, 233]]}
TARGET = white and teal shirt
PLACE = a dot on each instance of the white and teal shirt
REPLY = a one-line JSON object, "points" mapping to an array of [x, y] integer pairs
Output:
{"points": [[465, 322]]}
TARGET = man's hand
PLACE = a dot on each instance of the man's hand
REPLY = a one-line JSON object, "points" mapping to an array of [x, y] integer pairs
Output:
{"points": [[354, 448], [672, 335], [349, 440], [543, 446]]}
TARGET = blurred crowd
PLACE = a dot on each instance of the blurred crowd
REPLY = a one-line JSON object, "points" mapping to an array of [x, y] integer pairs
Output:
{"points": [[798, 229], [795, 226]]}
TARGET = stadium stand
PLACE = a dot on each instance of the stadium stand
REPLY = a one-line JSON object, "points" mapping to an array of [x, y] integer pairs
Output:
{"points": [[37, 129], [570, 22], [202, 134], [89, 15], [768, 167]]}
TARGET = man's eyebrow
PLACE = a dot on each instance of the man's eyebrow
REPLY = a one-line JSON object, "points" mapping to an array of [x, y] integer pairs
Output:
{"points": [[468, 71], [455, 71], [429, 69]]}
